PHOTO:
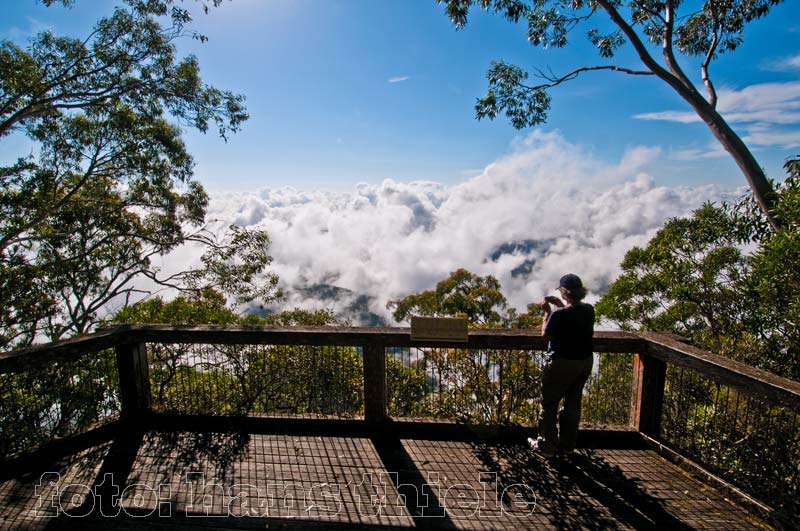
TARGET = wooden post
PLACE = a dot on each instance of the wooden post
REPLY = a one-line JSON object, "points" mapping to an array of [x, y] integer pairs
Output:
{"points": [[375, 384], [647, 396], [134, 379]]}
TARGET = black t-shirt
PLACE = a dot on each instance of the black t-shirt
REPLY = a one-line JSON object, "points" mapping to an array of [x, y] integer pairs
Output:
{"points": [[570, 330]]}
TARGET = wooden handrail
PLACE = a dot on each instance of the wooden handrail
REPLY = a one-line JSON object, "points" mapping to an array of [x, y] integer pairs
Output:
{"points": [[300, 335], [724, 370], [492, 338], [659, 346], [21, 359]]}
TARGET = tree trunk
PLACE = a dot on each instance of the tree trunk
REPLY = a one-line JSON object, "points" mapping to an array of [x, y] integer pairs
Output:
{"points": [[763, 190]]}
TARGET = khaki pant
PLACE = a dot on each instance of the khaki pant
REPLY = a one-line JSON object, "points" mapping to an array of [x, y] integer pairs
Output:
{"points": [[562, 379]]}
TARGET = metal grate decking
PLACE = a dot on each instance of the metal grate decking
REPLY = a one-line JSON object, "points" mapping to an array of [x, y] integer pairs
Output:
{"points": [[233, 480]]}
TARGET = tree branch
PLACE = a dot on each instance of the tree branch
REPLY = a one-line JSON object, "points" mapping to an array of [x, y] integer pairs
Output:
{"points": [[554, 80], [712, 93], [666, 45], [638, 45], [79, 100], [650, 13], [733, 144], [4, 242]]}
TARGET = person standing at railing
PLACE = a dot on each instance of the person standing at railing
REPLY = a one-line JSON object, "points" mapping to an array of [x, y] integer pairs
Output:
{"points": [[568, 364]]}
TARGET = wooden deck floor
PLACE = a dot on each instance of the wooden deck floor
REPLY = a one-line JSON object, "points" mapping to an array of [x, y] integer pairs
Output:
{"points": [[182, 480]]}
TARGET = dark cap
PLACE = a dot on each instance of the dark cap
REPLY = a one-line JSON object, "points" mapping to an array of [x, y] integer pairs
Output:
{"points": [[570, 282]]}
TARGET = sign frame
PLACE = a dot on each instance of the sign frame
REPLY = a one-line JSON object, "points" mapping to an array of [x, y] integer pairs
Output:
{"points": [[444, 329]]}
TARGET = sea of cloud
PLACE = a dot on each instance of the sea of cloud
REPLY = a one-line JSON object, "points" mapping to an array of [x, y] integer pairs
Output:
{"points": [[545, 208]]}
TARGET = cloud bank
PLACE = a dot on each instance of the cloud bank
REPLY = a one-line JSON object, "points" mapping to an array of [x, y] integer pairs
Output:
{"points": [[546, 208]]}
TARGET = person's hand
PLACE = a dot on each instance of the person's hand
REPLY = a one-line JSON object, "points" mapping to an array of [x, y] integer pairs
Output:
{"points": [[546, 307], [555, 301]]}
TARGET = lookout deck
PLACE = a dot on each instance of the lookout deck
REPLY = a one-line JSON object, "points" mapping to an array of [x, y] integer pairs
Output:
{"points": [[238, 480], [162, 427]]}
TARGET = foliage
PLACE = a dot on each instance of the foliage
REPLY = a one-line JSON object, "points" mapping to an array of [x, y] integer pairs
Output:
{"points": [[695, 279], [461, 294], [490, 386], [607, 393], [774, 279], [127, 65], [206, 307], [751, 443], [727, 280], [465, 294], [56, 399], [688, 280], [240, 379], [701, 33], [407, 388], [108, 186], [299, 317]]}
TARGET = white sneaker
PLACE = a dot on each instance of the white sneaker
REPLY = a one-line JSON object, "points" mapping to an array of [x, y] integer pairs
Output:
{"points": [[537, 446]]}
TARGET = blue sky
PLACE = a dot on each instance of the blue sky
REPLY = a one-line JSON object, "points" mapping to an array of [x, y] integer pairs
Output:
{"points": [[349, 91]]}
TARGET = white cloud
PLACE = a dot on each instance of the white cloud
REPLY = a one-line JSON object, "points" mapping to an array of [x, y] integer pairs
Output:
{"points": [[775, 103], [683, 117], [21, 36], [398, 79], [769, 113], [783, 64], [713, 151], [637, 157], [566, 210], [764, 135], [470, 172]]}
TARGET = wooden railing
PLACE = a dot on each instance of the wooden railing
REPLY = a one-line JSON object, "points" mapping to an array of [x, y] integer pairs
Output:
{"points": [[679, 393], [652, 354], [129, 343]]}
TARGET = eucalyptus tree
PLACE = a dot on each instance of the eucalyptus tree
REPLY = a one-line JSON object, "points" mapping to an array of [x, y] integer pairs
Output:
{"points": [[690, 279], [462, 293], [652, 28], [494, 386], [107, 185], [723, 278]]}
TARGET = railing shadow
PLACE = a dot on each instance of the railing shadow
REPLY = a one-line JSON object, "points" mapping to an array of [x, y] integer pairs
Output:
{"points": [[27, 485], [165, 455], [134, 519], [418, 497], [587, 492], [140, 456], [580, 492]]}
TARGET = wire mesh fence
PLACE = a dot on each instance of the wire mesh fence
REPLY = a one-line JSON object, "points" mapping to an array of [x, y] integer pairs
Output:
{"points": [[256, 379], [750, 442], [608, 392], [57, 399], [497, 386], [479, 386]]}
